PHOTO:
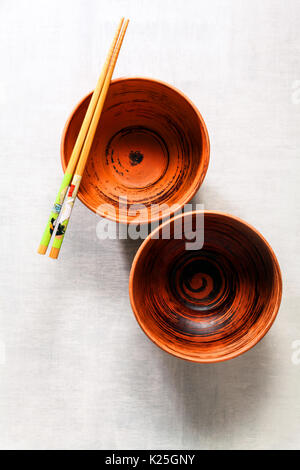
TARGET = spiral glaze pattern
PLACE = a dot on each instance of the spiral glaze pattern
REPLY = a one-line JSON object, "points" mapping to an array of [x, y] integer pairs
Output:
{"points": [[151, 147], [209, 304]]}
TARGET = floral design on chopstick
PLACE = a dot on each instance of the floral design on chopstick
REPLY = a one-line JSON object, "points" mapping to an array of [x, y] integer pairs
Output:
{"points": [[66, 211], [60, 230], [52, 225]]}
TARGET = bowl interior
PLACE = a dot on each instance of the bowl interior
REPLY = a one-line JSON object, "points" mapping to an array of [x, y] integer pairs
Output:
{"points": [[208, 304], [150, 151]]}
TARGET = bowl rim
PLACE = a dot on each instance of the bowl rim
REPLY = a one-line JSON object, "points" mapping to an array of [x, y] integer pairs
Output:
{"points": [[250, 344], [199, 177]]}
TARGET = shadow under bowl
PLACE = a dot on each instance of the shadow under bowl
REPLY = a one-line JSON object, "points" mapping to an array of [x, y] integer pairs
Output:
{"points": [[209, 304], [150, 151]]}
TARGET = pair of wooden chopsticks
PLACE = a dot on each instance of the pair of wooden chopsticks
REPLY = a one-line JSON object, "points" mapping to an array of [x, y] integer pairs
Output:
{"points": [[80, 153]]}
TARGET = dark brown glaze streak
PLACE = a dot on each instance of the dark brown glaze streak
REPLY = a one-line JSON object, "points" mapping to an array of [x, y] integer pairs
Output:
{"points": [[157, 123], [211, 304]]}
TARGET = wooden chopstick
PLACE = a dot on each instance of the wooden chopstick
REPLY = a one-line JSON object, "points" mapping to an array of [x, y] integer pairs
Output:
{"points": [[69, 203], [77, 149]]}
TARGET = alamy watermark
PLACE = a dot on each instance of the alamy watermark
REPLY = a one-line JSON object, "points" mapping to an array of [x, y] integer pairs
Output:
{"points": [[296, 92], [296, 352], [189, 228]]}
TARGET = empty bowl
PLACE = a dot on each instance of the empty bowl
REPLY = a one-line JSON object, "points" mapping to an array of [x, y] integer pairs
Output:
{"points": [[150, 153], [209, 304]]}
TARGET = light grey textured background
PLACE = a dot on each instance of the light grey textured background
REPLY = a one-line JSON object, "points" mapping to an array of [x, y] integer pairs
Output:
{"points": [[76, 371]]}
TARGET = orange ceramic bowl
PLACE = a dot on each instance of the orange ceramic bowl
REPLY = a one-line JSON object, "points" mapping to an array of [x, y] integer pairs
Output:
{"points": [[208, 304], [150, 153]]}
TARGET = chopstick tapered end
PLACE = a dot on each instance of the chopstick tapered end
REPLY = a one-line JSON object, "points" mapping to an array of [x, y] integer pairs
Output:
{"points": [[54, 252], [42, 249]]}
